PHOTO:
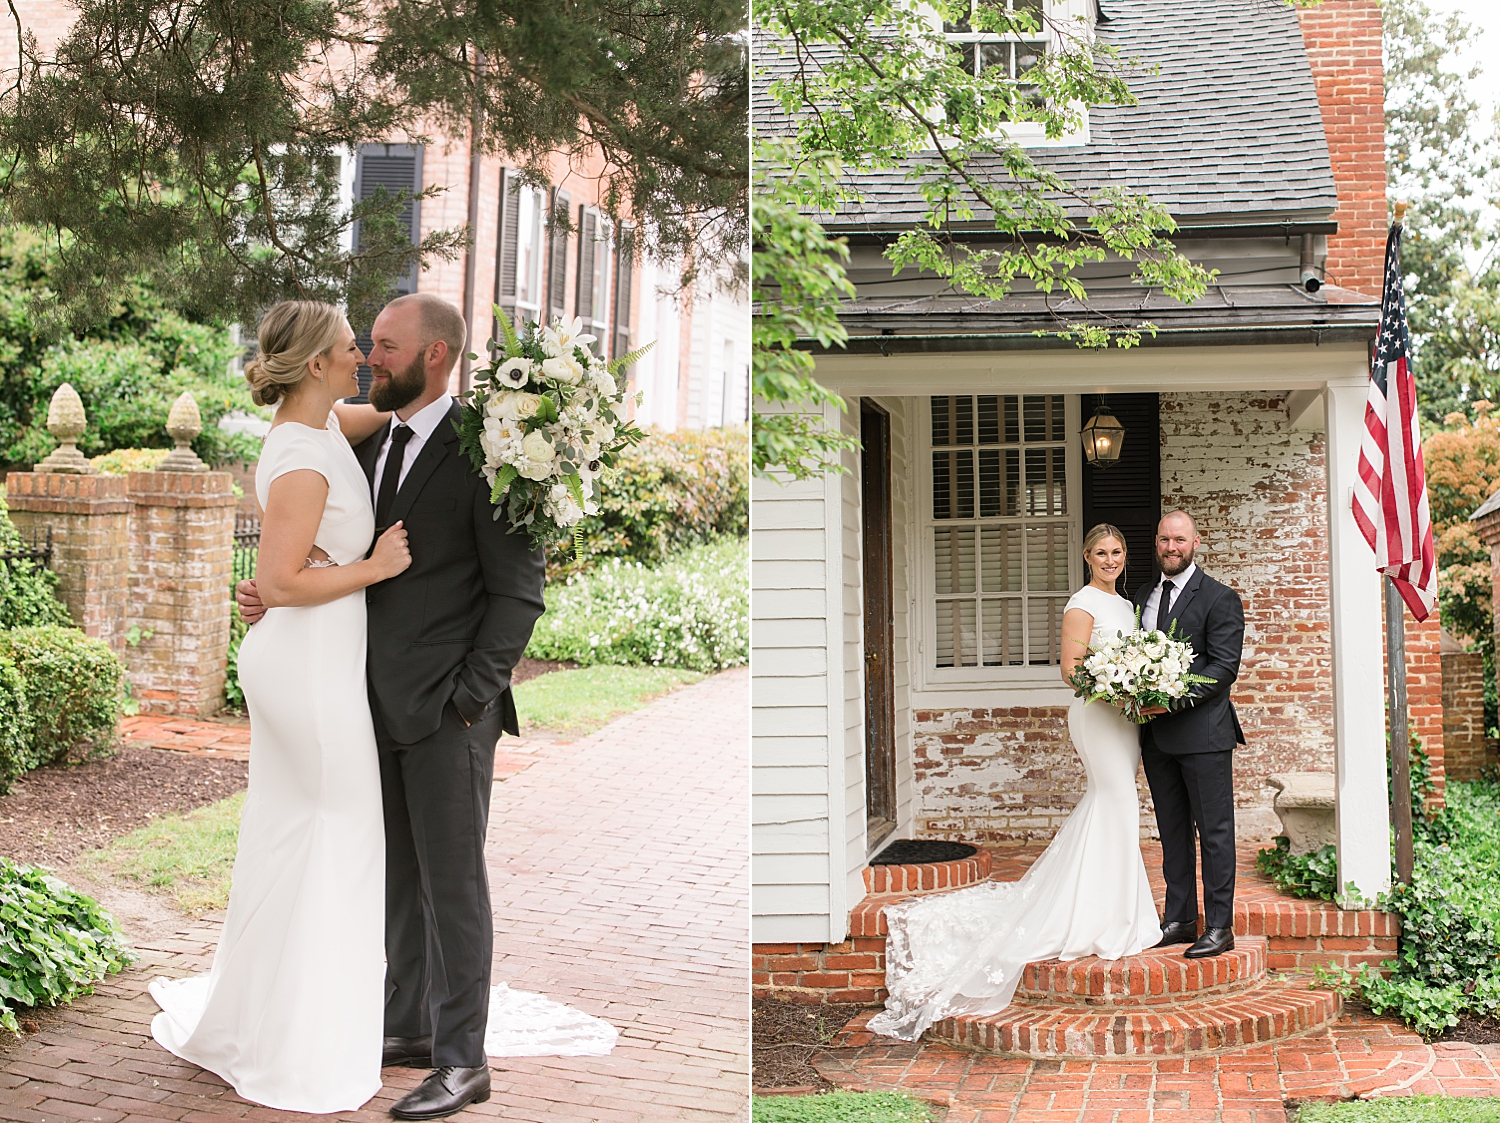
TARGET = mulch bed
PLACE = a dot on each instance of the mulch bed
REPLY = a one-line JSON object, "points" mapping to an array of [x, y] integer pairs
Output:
{"points": [[55, 813], [535, 668], [1475, 1031], [785, 1035]]}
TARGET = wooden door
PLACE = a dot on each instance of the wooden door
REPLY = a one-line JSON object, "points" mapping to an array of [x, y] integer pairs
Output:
{"points": [[880, 688]]}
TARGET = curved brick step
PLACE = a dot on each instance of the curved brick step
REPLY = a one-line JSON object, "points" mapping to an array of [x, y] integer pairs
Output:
{"points": [[927, 876], [1252, 1017], [1156, 976]]}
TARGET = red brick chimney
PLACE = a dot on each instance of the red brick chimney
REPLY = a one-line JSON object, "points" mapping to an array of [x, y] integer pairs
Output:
{"points": [[1343, 46]]}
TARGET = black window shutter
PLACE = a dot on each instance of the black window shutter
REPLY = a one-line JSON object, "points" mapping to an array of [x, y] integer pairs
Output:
{"points": [[1128, 494], [624, 266], [587, 230], [396, 167], [557, 258], [506, 250]]}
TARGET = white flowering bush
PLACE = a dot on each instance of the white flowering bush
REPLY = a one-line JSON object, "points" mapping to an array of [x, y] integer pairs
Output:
{"points": [[1137, 670], [544, 420], [693, 612]]}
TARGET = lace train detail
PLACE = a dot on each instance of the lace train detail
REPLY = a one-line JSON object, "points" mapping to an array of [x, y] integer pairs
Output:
{"points": [[525, 1024]]}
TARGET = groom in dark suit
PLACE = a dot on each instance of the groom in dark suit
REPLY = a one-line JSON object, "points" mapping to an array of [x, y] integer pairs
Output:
{"points": [[1188, 749], [443, 638]]}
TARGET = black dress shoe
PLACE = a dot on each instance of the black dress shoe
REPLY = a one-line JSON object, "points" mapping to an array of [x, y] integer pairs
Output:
{"points": [[1178, 932], [408, 1052], [1214, 941], [449, 1089]]}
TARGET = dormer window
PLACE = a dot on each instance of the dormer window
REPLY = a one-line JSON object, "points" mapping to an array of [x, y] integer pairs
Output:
{"points": [[983, 50]]}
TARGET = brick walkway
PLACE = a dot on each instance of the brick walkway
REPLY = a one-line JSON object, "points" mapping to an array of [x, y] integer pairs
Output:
{"points": [[620, 880]]}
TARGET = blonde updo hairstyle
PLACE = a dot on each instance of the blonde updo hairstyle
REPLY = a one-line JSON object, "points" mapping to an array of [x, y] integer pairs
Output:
{"points": [[1099, 534], [291, 335]]}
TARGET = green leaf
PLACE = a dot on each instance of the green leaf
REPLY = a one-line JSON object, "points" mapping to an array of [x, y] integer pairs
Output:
{"points": [[512, 340]]}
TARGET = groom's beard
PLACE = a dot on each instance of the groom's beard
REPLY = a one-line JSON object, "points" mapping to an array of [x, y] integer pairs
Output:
{"points": [[400, 389], [1170, 567]]}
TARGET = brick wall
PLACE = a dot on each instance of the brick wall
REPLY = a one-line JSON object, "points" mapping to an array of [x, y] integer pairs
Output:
{"points": [[1424, 694], [1343, 45], [1463, 714]]}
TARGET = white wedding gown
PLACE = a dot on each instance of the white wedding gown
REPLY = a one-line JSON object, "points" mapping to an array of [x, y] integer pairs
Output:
{"points": [[962, 952], [292, 1013]]}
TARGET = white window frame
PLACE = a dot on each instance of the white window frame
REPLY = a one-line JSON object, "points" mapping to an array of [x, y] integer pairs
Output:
{"points": [[927, 675], [535, 240]]}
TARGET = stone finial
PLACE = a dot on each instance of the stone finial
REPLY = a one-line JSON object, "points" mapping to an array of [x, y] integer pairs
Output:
{"points": [[184, 423], [66, 422]]}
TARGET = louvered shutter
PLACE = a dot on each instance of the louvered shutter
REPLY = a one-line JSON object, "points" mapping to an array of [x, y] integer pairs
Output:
{"points": [[624, 266], [396, 167], [1128, 494], [505, 251], [557, 257], [588, 230]]}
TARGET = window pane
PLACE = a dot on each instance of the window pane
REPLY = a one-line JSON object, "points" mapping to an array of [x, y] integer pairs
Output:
{"points": [[1000, 559], [1047, 558], [962, 26], [942, 485], [941, 410], [1002, 632], [955, 634], [1046, 490], [953, 559], [1012, 420], [953, 421], [995, 56], [1028, 55], [1044, 629], [1045, 418], [1032, 7], [963, 483], [989, 419]]}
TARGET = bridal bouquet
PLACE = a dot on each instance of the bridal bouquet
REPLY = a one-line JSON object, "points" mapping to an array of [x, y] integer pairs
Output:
{"points": [[1136, 671], [545, 418]]}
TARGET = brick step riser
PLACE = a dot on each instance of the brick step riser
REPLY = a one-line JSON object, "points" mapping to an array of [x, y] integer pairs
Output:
{"points": [[1150, 979], [1252, 1018], [928, 876]]}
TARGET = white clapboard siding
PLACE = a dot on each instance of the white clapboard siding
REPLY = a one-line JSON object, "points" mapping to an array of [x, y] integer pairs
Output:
{"points": [[793, 899]]}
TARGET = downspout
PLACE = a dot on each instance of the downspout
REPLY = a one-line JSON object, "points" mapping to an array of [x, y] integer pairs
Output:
{"points": [[1310, 272], [471, 254]]}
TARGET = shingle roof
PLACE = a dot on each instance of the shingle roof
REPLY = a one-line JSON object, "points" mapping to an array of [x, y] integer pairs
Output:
{"points": [[1227, 127]]}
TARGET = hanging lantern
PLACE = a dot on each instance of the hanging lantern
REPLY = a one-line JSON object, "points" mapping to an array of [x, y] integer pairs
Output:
{"points": [[1103, 436]]}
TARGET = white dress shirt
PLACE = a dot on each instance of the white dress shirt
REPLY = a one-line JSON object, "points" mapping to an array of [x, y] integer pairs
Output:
{"points": [[423, 424], [1153, 602]]}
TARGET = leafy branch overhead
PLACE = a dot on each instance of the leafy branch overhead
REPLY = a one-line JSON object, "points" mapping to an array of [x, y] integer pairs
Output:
{"points": [[197, 141], [862, 86]]}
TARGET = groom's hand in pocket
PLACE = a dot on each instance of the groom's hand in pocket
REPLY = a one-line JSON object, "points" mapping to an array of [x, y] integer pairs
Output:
{"points": [[251, 608]]}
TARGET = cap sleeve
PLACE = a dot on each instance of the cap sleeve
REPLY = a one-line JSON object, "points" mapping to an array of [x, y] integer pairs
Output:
{"points": [[1083, 599], [289, 448]]}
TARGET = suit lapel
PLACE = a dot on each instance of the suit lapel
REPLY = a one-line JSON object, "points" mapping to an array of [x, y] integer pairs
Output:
{"points": [[435, 449]]}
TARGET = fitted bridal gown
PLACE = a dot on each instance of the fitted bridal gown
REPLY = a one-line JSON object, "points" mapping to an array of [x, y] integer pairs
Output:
{"points": [[291, 1014], [962, 952]]}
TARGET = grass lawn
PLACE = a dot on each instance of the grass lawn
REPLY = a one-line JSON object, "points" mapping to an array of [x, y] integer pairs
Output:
{"points": [[190, 856], [585, 699], [1403, 1109], [840, 1107]]}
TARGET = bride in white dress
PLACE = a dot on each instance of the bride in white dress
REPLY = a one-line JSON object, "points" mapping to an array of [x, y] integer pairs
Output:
{"points": [[291, 1014], [962, 952]]}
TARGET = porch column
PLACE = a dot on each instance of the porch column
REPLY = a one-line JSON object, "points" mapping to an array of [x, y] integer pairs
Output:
{"points": [[1363, 813]]}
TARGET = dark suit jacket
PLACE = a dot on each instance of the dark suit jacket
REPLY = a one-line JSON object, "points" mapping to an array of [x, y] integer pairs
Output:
{"points": [[1210, 616], [453, 625]]}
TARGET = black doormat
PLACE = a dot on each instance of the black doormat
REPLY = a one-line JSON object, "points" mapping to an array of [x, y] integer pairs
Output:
{"points": [[915, 851]]}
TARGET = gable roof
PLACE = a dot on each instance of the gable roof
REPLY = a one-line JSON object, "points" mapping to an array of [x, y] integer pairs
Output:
{"points": [[1226, 127]]}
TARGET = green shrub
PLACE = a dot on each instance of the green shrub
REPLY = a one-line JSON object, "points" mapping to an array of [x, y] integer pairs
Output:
{"points": [[16, 756], [1448, 963], [74, 686], [234, 697], [1301, 875], [123, 461], [840, 1107], [55, 943], [692, 612], [28, 590], [671, 491]]}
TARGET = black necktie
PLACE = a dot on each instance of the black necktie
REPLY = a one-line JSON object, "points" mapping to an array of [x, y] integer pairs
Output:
{"points": [[385, 498], [1165, 608]]}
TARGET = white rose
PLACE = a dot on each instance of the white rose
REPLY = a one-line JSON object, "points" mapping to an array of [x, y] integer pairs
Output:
{"points": [[525, 405], [564, 369], [492, 440], [514, 373], [538, 448], [534, 469]]}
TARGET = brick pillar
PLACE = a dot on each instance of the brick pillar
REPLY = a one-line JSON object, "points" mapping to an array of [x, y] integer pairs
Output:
{"points": [[1342, 38], [1463, 714], [181, 549], [89, 517]]}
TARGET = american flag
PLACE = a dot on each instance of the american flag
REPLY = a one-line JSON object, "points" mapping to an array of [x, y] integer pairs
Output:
{"points": [[1390, 497]]}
